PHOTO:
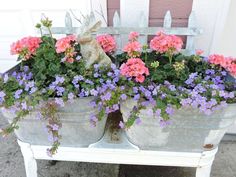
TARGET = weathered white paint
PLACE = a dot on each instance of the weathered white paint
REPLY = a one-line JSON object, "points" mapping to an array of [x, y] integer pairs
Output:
{"points": [[167, 20], [192, 23], [119, 155], [209, 15]]}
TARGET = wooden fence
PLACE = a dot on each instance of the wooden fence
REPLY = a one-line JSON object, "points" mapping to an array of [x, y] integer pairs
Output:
{"points": [[121, 32]]}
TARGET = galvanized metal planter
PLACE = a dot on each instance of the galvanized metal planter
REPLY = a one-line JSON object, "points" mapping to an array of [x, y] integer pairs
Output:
{"points": [[76, 129], [190, 130]]}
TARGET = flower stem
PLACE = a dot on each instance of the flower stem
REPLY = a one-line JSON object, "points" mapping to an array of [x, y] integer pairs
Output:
{"points": [[170, 58]]}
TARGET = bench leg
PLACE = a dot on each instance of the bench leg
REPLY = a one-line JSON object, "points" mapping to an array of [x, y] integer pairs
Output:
{"points": [[29, 160], [203, 171]]}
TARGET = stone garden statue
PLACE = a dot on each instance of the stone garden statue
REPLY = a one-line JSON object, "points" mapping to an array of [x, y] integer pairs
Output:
{"points": [[90, 49]]}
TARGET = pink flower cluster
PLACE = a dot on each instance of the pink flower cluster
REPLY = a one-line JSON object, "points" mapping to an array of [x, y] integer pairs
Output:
{"points": [[26, 47], [133, 48], [134, 67], [64, 45], [199, 52], [107, 42], [163, 43], [227, 63], [133, 36]]}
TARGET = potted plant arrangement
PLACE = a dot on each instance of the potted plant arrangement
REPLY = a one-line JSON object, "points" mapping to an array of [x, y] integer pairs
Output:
{"points": [[174, 102], [51, 93], [168, 101]]}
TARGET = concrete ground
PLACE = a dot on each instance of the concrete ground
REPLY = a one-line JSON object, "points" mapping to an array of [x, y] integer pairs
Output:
{"points": [[11, 164]]}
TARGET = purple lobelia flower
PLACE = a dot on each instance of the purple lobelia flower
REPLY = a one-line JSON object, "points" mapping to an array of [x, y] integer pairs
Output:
{"points": [[116, 79], [122, 87], [123, 96], [59, 102], [138, 121], [113, 66], [59, 80], [93, 104], [164, 123], [224, 73], [24, 106], [117, 72], [89, 82], [186, 102], [172, 88], [145, 103], [115, 107], [93, 118], [60, 91], [147, 93], [170, 110], [135, 89], [81, 94], [26, 68], [108, 110], [78, 57], [109, 74], [29, 85], [5, 78], [33, 90], [18, 93], [158, 113], [210, 72], [96, 66], [2, 95], [106, 97], [49, 153], [96, 75], [154, 92], [121, 125], [94, 92], [150, 87], [55, 127], [71, 96], [39, 116], [136, 97]]}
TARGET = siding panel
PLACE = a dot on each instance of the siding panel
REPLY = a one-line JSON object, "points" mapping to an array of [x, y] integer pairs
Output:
{"points": [[180, 12], [112, 6]]}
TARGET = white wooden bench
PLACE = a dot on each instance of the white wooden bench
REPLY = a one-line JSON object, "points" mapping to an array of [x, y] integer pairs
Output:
{"points": [[118, 151], [122, 151]]}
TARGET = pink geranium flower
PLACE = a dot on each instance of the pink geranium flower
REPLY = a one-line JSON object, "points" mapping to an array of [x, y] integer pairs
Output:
{"points": [[133, 47], [133, 36], [107, 42], [26, 47], [199, 52], [64, 43], [228, 63], [166, 43], [134, 67]]}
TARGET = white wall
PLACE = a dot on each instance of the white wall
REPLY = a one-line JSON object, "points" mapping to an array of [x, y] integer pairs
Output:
{"points": [[211, 16], [18, 18], [227, 40]]}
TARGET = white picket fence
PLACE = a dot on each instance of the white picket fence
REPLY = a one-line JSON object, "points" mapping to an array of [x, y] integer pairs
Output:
{"points": [[121, 32]]}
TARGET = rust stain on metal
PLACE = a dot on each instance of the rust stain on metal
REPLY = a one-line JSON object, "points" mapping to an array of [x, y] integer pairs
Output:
{"points": [[208, 146]]}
